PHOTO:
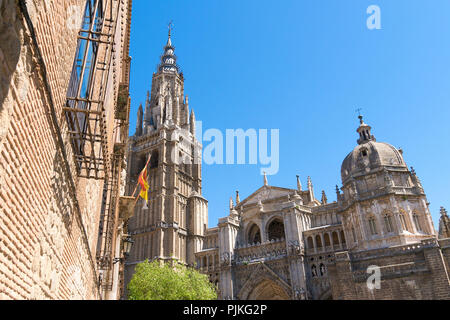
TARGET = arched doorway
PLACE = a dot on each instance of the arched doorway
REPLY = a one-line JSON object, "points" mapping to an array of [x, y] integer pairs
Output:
{"points": [[268, 290]]}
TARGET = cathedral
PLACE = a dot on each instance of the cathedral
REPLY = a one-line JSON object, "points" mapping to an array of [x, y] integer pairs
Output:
{"points": [[282, 243]]}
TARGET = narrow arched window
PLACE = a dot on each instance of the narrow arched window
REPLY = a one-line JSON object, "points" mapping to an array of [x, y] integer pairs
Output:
{"points": [[335, 239], [327, 240], [354, 234], [318, 241], [342, 236], [417, 222], [388, 223], [372, 226], [403, 222], [310, 243]]}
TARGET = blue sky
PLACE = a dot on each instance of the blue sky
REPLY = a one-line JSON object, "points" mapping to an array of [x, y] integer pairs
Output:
{"points": [[303, 67]]}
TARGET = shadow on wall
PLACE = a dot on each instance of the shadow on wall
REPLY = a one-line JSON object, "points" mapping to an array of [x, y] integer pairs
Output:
{"points": [[10, 45]]}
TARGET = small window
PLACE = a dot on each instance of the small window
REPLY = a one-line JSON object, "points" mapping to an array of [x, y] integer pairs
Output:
{"points": [[403, 222], [417, 222], [354, 234], [372, 226], [364, 153], [388, 223]]}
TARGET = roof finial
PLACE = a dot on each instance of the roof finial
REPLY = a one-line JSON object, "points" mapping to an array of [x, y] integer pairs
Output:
{"points": [[238, 199], [360, 117], [299, 184], [364, 130], [265, 179], [170, 26]]}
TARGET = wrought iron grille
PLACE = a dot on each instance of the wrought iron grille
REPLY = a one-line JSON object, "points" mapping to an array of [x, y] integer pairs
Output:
{"points": [[84, 109]]}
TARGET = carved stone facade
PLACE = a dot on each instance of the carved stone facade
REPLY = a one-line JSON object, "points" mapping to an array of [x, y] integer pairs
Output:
{"points": [[284, 244], [174, 223]]}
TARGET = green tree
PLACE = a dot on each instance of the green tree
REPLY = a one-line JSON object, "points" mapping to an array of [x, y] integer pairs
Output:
{"points": [[163, 281]]}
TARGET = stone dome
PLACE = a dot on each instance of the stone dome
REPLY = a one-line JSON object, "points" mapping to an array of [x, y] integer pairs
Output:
{"points": [[369, 156]]}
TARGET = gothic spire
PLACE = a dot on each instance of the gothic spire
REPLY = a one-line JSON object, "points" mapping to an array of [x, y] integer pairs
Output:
{"points": [[299, 184], [169, 59], [324, 199], [311, 189], [192, 122], [364, 132], [140, 114], [266, 183]]}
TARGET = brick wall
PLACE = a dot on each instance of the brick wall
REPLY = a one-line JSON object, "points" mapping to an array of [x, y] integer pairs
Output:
{"points": [[47, 244]]}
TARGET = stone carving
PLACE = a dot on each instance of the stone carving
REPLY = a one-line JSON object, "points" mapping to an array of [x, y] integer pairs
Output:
{"points": [[296, 248], [300, 294], [226, 258]]}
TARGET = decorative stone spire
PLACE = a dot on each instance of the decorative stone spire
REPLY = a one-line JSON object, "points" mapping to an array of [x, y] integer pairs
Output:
{"points": [[311, 189], [364, 132], [444, 225], [266, 183], [192, 122], [238, 200], [415, 178], [140, 115], [338, 191], [148, 114], [231, 203], [169, 59], [299, 184], [324, 197]]}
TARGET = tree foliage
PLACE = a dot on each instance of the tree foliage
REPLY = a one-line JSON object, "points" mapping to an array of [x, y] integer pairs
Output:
{"points": [[163, 281]]}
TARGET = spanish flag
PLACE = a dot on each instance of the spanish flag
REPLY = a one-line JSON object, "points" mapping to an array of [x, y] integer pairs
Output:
{"points": [[143, 182]]}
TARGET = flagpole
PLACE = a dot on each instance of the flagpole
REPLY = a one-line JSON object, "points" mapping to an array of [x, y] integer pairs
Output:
{"points": [[137, 184]]}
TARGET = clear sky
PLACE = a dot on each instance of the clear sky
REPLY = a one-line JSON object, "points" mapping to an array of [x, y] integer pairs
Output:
{"points": [[304, 67]]}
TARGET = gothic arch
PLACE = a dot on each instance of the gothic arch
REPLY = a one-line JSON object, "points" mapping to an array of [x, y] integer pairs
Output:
{"points": [[264, 284], [268, 290], [253, 234], [275, 229]]}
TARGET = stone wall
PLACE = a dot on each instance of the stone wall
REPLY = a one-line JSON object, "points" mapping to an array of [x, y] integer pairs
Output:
{"points": [[412, 272], [48, 216]]}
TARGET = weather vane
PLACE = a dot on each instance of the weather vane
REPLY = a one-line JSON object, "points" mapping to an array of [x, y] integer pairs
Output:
{"points": [[359, 111], [170, 26]]}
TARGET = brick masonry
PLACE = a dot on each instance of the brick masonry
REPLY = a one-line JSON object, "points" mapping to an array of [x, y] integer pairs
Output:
{"points": [[47, 247]]}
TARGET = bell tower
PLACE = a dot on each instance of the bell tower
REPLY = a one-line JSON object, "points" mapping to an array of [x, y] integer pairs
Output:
{"points": [[172, 225]]}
